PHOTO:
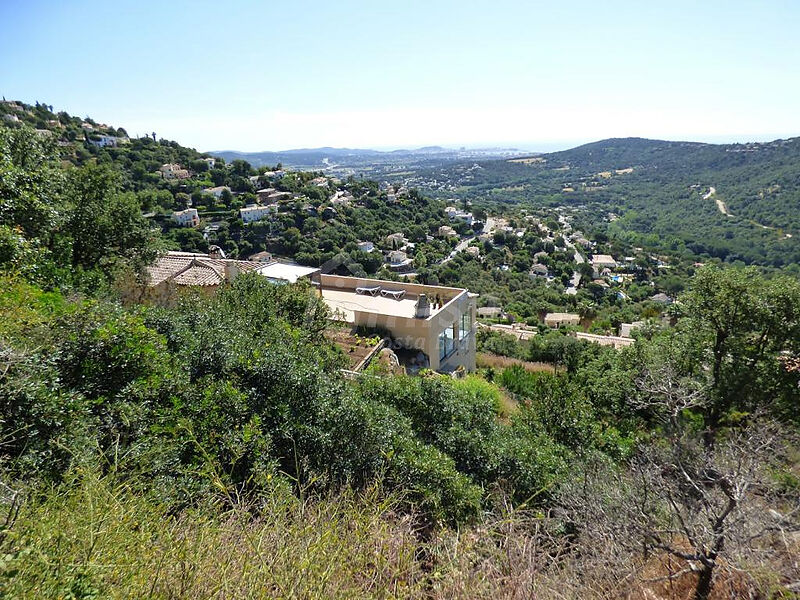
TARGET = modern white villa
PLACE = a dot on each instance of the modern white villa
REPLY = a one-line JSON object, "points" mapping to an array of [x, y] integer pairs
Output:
{"points": [[437, 321]]}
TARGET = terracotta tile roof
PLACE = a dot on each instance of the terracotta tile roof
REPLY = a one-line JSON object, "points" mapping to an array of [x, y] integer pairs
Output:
{"points": [[190, 269]]}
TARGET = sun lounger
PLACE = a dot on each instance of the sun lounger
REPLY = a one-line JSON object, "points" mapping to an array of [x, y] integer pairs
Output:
{"points": [[371, 290], [396, 294]]}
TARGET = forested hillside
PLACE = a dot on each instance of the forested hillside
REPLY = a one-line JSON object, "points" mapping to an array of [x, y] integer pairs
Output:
{"points": [[659, 192], [216, 449]]}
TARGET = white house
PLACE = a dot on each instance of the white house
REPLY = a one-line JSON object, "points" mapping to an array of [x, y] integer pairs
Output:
{"points": [[105, 140], [173, 171], [210, 161], [455, 214], [255, 212], [366, 246], [186, 218], [217, 191]]}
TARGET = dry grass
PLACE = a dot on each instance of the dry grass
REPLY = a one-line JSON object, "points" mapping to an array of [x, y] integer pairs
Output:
{"points": [[100, 540], [486, 359]]}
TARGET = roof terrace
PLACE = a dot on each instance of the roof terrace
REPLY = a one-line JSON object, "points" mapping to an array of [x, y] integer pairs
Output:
{"points": [[349, 295]]}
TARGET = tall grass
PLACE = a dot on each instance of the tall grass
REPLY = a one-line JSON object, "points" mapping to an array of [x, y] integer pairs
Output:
{"points": [[98, 538]]}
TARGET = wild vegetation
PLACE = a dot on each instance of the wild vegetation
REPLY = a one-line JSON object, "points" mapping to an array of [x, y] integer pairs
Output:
{"points": [[215, 449], [658, 190]]}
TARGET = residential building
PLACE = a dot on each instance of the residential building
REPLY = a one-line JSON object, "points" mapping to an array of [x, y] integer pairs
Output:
{"points": [[366, 246], [490, 312], [341, 197], [538, 270], [217, 191], [455, 214], [395, 240], [255, 212], [625, 329], [261, 257], [602, 261], [187, 217], [447, 231], [399, 261], [397, 256], [286, 272], [438, 322], [103, 141], [661, 298], [176, 272], [174, 171], [556, 320], [210, 161]]}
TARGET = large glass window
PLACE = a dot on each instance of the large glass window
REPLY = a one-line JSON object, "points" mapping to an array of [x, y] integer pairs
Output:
{"points": [[465, 326], [446, 341]]}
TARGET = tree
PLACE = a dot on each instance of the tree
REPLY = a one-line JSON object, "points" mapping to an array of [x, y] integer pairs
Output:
{"points": [[738, 324], [713, 509], [106, 226]]}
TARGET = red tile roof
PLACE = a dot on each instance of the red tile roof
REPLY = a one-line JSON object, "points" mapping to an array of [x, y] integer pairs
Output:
{"points": [[190, 269]]}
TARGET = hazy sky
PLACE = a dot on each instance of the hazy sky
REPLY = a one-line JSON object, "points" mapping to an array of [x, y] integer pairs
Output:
{"points": [[251, 75]]}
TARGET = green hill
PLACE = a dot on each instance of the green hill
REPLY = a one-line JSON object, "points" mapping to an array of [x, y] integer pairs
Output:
{"points": [[658, 189]]}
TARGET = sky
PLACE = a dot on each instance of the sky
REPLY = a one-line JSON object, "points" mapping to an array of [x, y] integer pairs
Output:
{"points": [[250, 76]]}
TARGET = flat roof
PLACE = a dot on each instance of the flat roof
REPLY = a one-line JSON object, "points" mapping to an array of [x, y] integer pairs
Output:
{"points": [[347, 301], [339, 293], [286, 272]]}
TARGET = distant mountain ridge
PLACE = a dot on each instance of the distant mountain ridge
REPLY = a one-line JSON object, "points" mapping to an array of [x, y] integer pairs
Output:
{"points": [[315, 157], [616, 153]]}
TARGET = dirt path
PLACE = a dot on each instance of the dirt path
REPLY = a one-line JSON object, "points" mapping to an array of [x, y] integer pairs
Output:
{"points": [[723, 208]]}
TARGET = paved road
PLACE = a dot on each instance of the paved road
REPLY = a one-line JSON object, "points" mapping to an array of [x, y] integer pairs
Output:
{"points": [[572, 289], [463, 244]]}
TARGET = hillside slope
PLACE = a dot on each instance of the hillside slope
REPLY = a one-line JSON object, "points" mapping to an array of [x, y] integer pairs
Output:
{"points": [[660, 188]]}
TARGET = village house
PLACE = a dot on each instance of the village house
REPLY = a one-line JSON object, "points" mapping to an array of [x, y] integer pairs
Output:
{"points": [[396, 240], [264, 194], [341, 197], [187, 217], [366, 246], [538, 270], [210, 161], [104, 141], [625, 329], [438, 323], [217, 191], [557, 320], [661, 298], [175, 272], [455, 214], [261, 257], [490, 312], [173, 171], [603, 261], [255, 212], [398, 261], [447, 231]]}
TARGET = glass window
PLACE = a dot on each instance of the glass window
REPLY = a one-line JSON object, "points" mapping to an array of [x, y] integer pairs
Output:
{"points": [[446, 342], [465, 327]]}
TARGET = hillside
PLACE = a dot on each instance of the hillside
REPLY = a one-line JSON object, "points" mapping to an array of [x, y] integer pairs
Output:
{"points": [[219, 446], [657, 188]]}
